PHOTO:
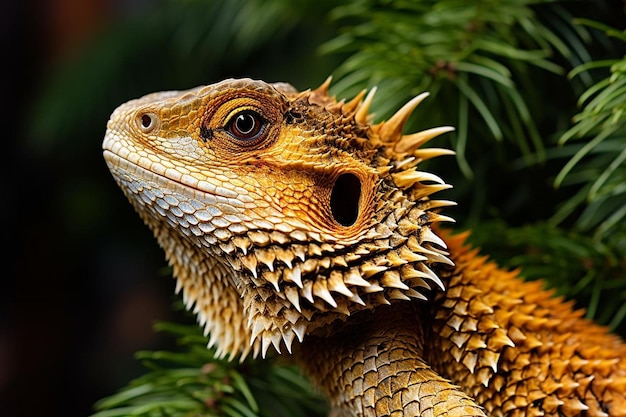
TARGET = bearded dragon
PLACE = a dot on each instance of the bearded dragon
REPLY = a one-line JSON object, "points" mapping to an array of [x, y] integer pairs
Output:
{"points": [[289, 215]]}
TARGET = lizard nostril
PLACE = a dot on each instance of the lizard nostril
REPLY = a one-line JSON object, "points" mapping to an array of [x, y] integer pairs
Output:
{"points": [[344, 199]]}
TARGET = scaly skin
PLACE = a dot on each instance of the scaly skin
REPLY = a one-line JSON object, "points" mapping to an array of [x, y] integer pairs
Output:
{"points": [[288, 215]]}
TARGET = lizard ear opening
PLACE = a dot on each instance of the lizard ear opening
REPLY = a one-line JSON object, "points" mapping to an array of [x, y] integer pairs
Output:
{"points": [[344, 199]]}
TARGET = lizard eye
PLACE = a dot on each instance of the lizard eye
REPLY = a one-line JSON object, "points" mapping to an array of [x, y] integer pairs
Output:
{"points": [[147, 122], [246, 125]]}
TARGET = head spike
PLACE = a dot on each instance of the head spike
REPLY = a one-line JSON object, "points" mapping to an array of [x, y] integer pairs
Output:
{"points": [[428, 153], [406, 179], [362, 115], [409, 143], [353, 104], [391, 130], [319, 96], [323, 89]]}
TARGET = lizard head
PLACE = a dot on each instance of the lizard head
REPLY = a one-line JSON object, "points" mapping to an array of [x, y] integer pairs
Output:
{"points": [[280, 211]]}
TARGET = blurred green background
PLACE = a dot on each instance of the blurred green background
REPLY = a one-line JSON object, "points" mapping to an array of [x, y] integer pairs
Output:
{"points": [[540, 173]]}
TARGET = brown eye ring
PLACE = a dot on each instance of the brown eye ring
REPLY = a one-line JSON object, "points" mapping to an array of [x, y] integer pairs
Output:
{"points": [[246, 125]]}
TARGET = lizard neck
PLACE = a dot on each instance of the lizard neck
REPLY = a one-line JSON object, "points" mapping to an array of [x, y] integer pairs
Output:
{"points": [[360, 368]]}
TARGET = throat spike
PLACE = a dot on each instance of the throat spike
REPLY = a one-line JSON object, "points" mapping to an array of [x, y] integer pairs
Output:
{"points": [[266, 341], [293, 297], [320, 289], [288, 337]]}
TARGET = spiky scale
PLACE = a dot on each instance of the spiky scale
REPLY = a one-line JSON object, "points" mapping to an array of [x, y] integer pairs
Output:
{"points": [[320, 289], [351, 106], [410, 143], [362, 116], [336, 283], [391, 130]]}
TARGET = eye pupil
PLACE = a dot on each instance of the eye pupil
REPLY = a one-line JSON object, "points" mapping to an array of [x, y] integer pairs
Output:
{"points": [[146, 121], [246, 125]]}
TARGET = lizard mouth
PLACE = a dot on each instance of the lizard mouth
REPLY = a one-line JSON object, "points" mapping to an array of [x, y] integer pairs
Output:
{"points": [[172, 179]]}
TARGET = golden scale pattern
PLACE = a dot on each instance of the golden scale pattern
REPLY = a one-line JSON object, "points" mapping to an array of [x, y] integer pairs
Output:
{"points": [[392, 316]]}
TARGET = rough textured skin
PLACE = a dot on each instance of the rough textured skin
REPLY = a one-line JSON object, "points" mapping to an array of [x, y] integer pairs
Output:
{"points": [[290, 215]]}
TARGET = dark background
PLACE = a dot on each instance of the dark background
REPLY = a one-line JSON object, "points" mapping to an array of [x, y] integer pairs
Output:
{"points": [[76, 300], [84, 279]]}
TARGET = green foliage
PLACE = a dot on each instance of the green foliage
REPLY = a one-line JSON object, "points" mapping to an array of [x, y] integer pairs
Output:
{"points": [[599, 155], [192, 382], [478, 57]]}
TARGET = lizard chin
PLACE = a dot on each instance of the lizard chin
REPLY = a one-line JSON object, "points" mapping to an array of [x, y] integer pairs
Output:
{"points": [[288, 303]]}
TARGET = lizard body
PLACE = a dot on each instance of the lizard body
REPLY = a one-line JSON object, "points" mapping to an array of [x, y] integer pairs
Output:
{"points": [[289, 215]]}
